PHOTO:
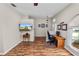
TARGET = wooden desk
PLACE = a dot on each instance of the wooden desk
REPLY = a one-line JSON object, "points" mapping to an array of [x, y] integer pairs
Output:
{"points": [[60, 41]]}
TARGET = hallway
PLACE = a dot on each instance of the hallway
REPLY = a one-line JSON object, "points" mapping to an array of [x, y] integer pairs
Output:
{"points": [[38, 48]]}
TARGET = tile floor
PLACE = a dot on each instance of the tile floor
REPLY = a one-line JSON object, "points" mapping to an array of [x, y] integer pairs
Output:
{"points": [[38, 48]]}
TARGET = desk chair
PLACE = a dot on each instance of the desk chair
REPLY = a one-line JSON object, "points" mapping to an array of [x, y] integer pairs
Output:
{"points": [[27, 35], [51, 39]]}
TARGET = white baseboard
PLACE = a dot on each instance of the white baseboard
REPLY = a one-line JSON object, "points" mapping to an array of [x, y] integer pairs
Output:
{"points": [[69, 50], [10, 48]]}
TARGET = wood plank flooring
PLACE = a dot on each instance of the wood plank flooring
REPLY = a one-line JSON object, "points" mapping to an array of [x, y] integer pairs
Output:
{"points": [[37, 48]]}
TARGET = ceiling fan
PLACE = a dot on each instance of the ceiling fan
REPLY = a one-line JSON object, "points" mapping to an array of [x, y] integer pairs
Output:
{"points": [[13, 4], [35, 4]]}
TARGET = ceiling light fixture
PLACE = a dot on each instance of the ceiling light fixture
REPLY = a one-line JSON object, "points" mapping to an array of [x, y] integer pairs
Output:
{"points": [[35, 4]]}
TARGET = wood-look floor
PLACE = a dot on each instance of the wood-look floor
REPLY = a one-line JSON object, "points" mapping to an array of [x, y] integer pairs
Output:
{"points": [[38, 48]]}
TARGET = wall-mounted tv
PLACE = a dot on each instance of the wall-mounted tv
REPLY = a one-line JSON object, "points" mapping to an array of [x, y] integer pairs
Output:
{"points": [[25, 27]]}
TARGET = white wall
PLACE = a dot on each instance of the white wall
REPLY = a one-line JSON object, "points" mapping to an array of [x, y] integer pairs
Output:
{"points": [[41, 32], [10, 35], [1, 45], [28, 21], [66, 16]]}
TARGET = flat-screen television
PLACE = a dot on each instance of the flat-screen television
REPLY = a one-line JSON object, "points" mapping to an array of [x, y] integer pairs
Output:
{"points": [[25, 27]]}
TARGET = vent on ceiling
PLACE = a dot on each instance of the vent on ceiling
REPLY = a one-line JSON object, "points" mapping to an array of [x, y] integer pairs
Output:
{"points": [[35, 4], [13, 5]]}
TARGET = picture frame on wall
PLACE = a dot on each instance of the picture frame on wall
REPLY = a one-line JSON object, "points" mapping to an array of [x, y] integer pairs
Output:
{"points": [[39, 25], [64, 27], [59, 27], [42, 25], [46, 25]]}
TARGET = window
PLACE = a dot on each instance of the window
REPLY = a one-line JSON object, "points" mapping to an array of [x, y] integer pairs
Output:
{"points": [[75, 37]]}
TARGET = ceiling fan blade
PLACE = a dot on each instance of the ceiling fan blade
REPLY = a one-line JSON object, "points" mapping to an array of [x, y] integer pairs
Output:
{"points": [[13, 5]]}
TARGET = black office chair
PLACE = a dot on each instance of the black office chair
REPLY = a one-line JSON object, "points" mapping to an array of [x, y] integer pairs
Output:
{"points": [[51, 39]]}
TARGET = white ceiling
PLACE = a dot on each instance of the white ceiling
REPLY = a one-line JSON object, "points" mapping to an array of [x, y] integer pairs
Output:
{"points": [[41, 11]]}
